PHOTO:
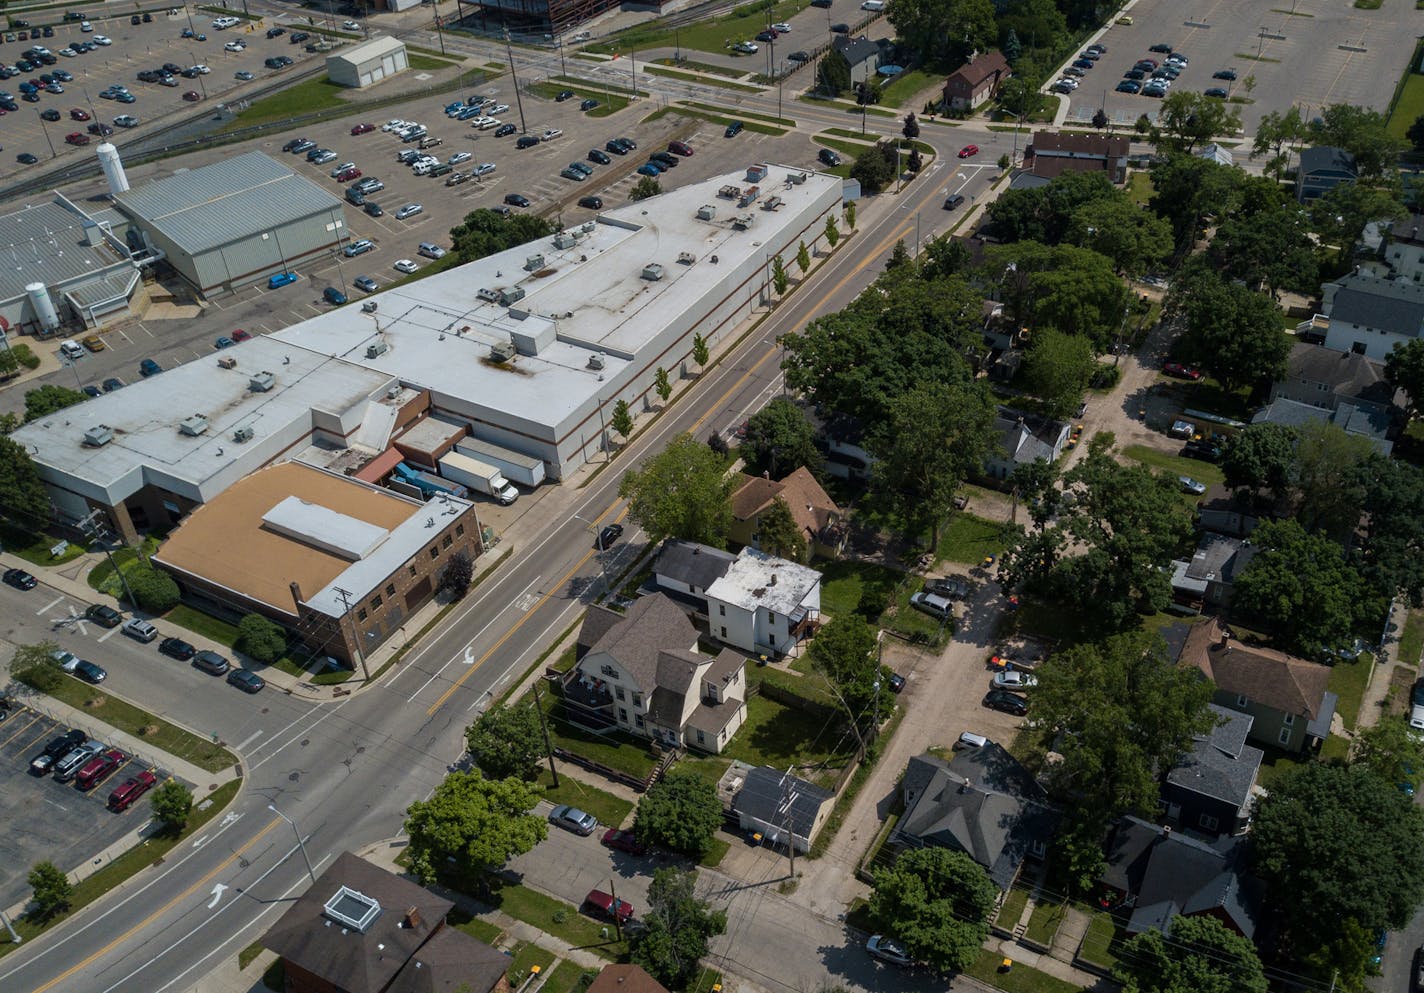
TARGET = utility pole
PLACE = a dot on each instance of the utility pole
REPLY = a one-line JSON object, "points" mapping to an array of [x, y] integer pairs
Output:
{"points": [[509, 50], [97, 532], [617, 923], [788, 798], [548, 748], [355, 634]]}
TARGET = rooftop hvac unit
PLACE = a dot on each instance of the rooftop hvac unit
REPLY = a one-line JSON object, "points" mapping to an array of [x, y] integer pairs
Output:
{"points": [[587, 227], [743, 221], [242, 434], [729, 192], [748, 195], [565, 239], [98, 436], [502, 351], [262, 382], [193, 426], [686, 258], [706, 212], [533, 262], [756, 173], [227, 362], [376, 348], [772, 203], [797, 178], [488, 295], [653, 271], [596, 361], [511, 295]]}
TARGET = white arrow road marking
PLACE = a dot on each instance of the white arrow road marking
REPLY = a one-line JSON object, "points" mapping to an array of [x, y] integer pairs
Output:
{"points": [[469, 655], [217, 894]]}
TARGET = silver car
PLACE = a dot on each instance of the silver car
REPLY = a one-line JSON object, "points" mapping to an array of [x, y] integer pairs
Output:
{"points": [[573, 819], [66, 767], [887, 950], [409, 210]]}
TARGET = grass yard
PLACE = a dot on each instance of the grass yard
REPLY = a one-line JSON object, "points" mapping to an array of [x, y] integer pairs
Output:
{"points": [[1348, 681], [1021, 979], [427, 63], [864, 588], [1411, 639], [716, 852], [1175, 465], [1103, 940], [564, 978], [713, 34], [745, 115], [527, 956], [907, 85], [1043, 922], [482, 930], [555, 917], [967, 539], [1012, 909], [306, 97], [34, 548], [721, 120], [778, 736], [204, 624], [1276, 763], [610, 810], [617, 751], [102, 577], [1139, 187], [704, 67]]}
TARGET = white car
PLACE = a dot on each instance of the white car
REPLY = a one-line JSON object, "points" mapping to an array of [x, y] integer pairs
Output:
{"points": [[85, 26], [1016, 681], [483, 169], [431, 250], [1067, 81], [480, 122], [104, 40], [201, 69], [746, 47], [234, 46], [351, 25], [338, 170], [409, 210], [394, 125], [324, 157], [550, 134], [405, 265], [126, 121], [68, 53], [488, 122], [499, 108], [781, 27], [459, 157], [222, 23]]}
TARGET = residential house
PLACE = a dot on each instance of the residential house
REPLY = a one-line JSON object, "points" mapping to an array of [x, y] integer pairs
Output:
{"points": [[1404, 247], [625, 978], [1023, 439], [862, 54], [983, 803], [840, 440], [1328, 378], [361, 929], [1207, 578], [1289, 698], [976, 82], [641, 673], [1322, 169], [753, 601], [1161, 874], [1370, 315], [1220, 510], [1052, 153], [817, 517], [1212, 788], [780, 807], [1372, 424]]}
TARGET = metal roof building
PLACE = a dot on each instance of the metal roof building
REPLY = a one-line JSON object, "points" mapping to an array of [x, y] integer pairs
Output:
{"points": [[235, 222], [367, 63]]}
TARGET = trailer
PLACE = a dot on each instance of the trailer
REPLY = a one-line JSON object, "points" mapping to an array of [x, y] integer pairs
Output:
{"points": [[526, 470], [429, 484], [478, 476]]}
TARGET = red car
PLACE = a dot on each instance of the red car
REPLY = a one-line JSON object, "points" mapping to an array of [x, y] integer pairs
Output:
{"points": [[130, 790], [968, 150], [606, 906], [239, 335], [1181, 371], [679, 148], [346, 175], [624, 841], [76, 139], [97, 768], [363, 128], [192, 96], [79, 115]]}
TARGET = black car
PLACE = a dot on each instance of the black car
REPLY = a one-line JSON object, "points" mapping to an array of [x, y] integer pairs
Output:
{"points": [[299, 37], [599, 156], [135, 19], [516, 199], [628, 144], [1215, 92], [1229, 74], [372, 208], [615, 147], [798, 57], [93, 391], [1137, 74], [64, 744], [897, 682], [527, 141], [564, 95], [272, 63], [608, 536], [177, 648], [291, 146], [20, 579], [104, 615], [955, 589], [89, 672], [588, 104], [840, 29], [276, 32], [49, 115], [505, 129], [953, 200], [733, 129], [828, 157], [113, 383], [1203, 451], [591, 203], [1007, 702], [1160, 47], [25, 158]]}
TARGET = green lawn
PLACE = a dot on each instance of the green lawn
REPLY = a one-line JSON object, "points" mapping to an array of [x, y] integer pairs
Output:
{"points": [[610, 810], [864, 588], [1175, 465], [1103, 941], [527, 956], [564, 977], [1043, 922], [617, 751], [716, 852], [34, 548], [306, 97], [1348, 681], [204, 624], [967, 539], [778, 736], [1411, 639], [555, 917], [703, 67], [609, 101], [1276, 763], [102, 578], [906, 85], [1139, 187], [713, 34], [476, 927], [745, 115], [688, 77], [1019, 979], [1012, 909], [427, 63]]}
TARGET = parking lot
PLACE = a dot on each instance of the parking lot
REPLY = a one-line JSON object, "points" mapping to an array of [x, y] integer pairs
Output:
{"points": [[51, 820], [1295, 60], [135, 47]]}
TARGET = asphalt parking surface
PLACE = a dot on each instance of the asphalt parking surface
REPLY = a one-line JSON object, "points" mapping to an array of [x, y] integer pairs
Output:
{"points": [[1296, 60]]}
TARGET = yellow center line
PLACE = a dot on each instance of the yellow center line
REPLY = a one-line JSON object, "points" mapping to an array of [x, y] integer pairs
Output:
{"points": [[161, 910]]}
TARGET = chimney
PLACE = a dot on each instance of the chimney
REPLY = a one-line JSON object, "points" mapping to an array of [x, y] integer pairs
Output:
{"points": [[296, 595], [773, 579], [412, 917], [766, 474]]}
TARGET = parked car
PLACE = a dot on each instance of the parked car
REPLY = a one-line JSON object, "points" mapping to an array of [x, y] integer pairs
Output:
{"points": [[828, 157], [1228, 74], [950, 587], [573, 819], [177, 648], [103, 615], [1192, 486], [516, 199], [607, 907], [624, 841], [333, 296], [140, 629], [148, 367], [932, 604], [56, 749], [211, 662], [889, 950], [430, 250], [89, 672], [680, 148], [281, 279], [1203, 451], [1007, 702], [246, 680], [74, 760], [127, 793], [364, 283], [1181, 371], [526, 141], [409, 210], [733, 129], [505, 129], [358, 247], [20, 579], [372, 209], [1018, 682], [588, 104], [591, 202], [93, 772], [608, 536], [405, 266]]}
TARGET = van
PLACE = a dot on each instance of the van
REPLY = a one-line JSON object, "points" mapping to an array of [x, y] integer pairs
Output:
{"points": [[429, 141], [140, 630], [422, 168], [71, 350], [441, 169], [66, 767], [933, 604], [875, 5]]}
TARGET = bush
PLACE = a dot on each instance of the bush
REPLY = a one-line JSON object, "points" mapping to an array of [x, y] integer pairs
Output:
{"points": [[1105, 377], [25, 356], [153, 590], [260, 638], [51, 890]]}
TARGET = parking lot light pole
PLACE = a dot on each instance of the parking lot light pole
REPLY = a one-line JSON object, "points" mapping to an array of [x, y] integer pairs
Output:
{"points": [[519, 102], [48, 141], [201, 85], [300, 843]]}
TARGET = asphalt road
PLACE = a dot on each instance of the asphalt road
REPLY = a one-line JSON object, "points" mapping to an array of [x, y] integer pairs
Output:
{"points": [[345, 771]]}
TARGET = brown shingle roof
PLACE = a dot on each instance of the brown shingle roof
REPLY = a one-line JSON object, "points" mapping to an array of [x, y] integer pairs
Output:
{"points": [[625, 979], [974, 73], [1280, 681], [811, 507]]}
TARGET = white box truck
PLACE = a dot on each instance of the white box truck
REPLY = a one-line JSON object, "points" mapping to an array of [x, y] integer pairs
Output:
{"points": [[526, 470], [481, 477]]}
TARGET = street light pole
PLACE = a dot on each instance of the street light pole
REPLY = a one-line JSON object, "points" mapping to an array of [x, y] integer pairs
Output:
{"points": [[300, 843], [201, 85], [593, 529]]}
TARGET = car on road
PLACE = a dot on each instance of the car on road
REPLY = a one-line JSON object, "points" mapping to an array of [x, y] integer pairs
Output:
{"points": [[409, 210], [608, 536], [885, 949], [1008, 703], [828, 157], [624, 841], [968, 150], [177, 648], [358, 247], [89, 672], [130, 790], [103, 615], [607, 907], [20, 579], [211, 662], [1202, 451], [591, 202], [333, 296], [93, 772], [351, 26], [1018, 682], [246, 680], [953, 201], [573, 819], [516, 200]]}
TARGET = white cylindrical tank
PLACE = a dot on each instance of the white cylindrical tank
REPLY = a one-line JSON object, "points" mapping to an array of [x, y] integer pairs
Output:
{"points": [[113, 169], [44, 306]]}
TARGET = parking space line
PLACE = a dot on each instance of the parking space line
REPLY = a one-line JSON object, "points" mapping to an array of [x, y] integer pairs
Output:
{"points": [[45, 609], [37, 717], [108, 634]]}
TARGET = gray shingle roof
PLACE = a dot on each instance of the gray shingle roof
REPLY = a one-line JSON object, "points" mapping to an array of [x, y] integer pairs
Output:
{"points": [[857, 50], [696, 565], [1393, 305], [764, 790], [1175, 874], [1221, 765], [1345, 373], [653, 624], [224, 202], [1326, 159]]}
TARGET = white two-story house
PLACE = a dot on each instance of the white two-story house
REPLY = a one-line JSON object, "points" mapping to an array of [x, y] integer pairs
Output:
{"points": [[1370, 315]]}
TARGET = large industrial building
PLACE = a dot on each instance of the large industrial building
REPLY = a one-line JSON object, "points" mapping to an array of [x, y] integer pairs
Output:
{"points": [[529, 350], [341, 563], [368, 63], [235, 222]]}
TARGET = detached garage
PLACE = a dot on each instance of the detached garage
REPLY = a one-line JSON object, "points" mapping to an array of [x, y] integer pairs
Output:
{"points": [[367, 63]]}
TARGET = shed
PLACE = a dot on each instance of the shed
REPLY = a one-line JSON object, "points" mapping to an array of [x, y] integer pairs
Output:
{"points": [[777, 804], [368, 63]]}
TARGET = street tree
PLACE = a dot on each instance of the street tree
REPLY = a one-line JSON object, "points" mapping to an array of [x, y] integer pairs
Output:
{"points": [[833, 74], [621, 420], [1390, 748], [915, 162], [844, 651], [700, 351], [1330, 491], [459, 573], [485, 232], [45, 400], [935, 437], [874, 169], [1136, 240], [1300, 585], [1100, 119], [1403, 369], [780, 439], [833, 233], [911, 128], [1125, 713], [1276, 133], [680, 493], [1392, 556], [172, 804], [507, 741], [850, 215], [647, 186], [1056, 369], [35, 666], [1362, 132], [779, 278], [899, 256], [1338, 844], [478, 823], [937, 902], [662, 385], [1260, 457], [1197, 955], [1188, 118], [681, 812], [778, 533], [50, 891], [676, 929], [803, 258], [1233, 331]]}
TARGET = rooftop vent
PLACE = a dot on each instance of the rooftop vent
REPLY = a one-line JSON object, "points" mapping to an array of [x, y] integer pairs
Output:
{"points": [[242, 434], [502, 351], [706, 212], [748, 195], [596, 361], [565, 239], [587, 227], [653, 271], [756, 173], [510, 295], [686, 258], [772, 203], [535, 261], [262, 382], [729, 192], [99, 435], [193, 426], [352, 910], [376, 348]]}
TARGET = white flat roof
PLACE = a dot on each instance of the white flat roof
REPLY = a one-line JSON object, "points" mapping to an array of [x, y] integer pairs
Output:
{"points": [[327, 529], [757, 579]]}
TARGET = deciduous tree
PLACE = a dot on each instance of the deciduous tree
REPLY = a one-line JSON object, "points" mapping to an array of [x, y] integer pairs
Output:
{"points": [[506, 741], [485, 232], [1362, 132], [778, 533], [459, 573], [1339, 216], [937, 903], [1403, 368], [35, 666], [911, 128], [803, 258], [1135, 239], [1186, 189], [1202, 955], [1392, 556], [677, 929], [154, 591], [681, 811], [45, 400], [1233, 331], [1275, 134], [646, 187], [172, 804], [833, 74], [479, 823], [844, 651], [833, 233], [1189, 118], [780, 439], [1056, 369], [23, 498], [874, 169], [779, 279], [621, 420], [1260, 457], [1270, 248], [680, 493], [1071, 289], [662, 385], [1391, 749], [1329, 493], [50, 889], [700, 352]]}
